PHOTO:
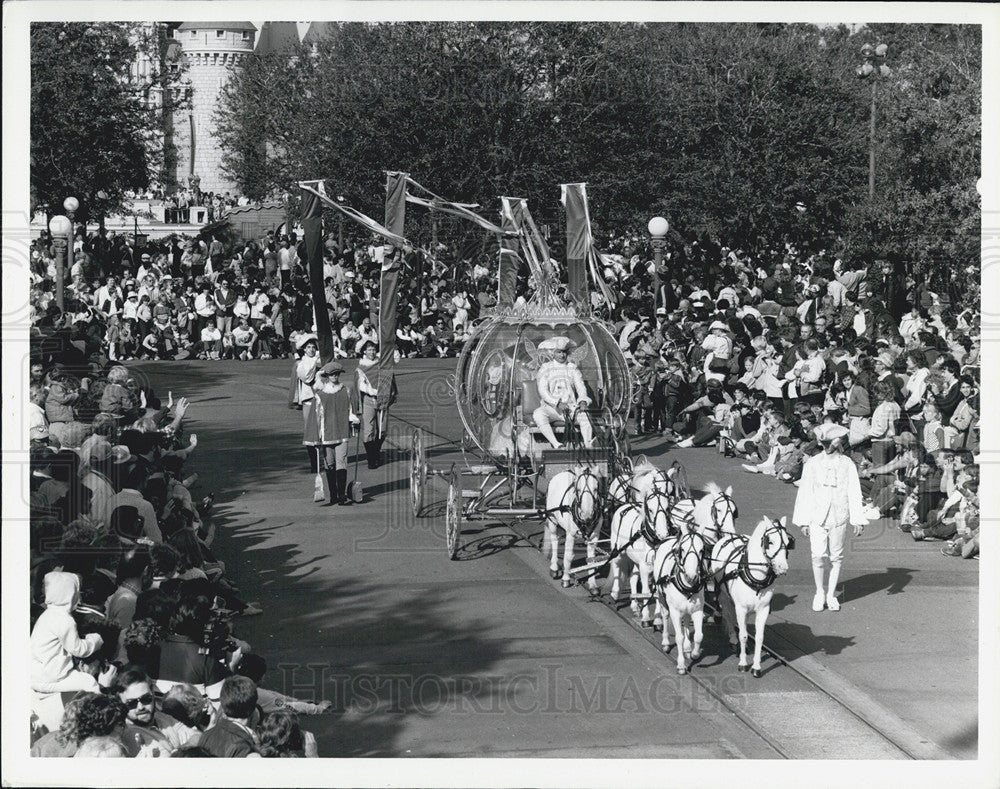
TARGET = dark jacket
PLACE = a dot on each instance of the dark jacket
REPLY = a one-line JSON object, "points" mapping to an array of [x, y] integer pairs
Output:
{"points": [[226, 739]]}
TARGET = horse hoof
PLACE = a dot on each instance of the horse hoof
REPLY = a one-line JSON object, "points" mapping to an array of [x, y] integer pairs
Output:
{"points": [[566, 583], [556, 574], [646, 624], [666, 648], [756, 673], [594, 592], [696, 655], [657, 627], [743, 668], [682, 671]]}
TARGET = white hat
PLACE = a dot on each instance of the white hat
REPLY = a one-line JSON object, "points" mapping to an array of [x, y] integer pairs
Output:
{"points": [[302, 341], [718, 325], [556, 344], [661, 310], [830, 432]]}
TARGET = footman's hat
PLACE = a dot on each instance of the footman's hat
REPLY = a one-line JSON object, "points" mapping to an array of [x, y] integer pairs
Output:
{"points": [[304, 340], [830, 432], [557, 344], [331, 367]]}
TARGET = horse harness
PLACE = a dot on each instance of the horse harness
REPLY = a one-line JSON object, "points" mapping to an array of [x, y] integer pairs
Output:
{"points": [[675, 577], [743, 571], [585, 525]]}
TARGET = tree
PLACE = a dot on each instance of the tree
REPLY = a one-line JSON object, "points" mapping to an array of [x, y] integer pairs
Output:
{"points": [[94, 128], [749, 135]]}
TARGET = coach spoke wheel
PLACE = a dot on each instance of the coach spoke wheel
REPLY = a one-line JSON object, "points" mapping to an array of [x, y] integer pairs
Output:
{"points": [[418, 472], [453, 515]]}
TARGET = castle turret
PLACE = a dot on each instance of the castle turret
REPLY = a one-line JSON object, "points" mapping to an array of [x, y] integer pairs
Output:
{"points": [[211, 50]]}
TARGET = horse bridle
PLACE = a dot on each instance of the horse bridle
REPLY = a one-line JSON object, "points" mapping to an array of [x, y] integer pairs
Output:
{"points": [[675, 576], [730, 510], [649, 524], [586, 525], [787, 544]]}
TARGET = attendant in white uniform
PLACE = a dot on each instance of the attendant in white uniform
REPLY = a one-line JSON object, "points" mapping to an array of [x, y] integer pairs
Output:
{"points": [[562, 391], [829, 499]]}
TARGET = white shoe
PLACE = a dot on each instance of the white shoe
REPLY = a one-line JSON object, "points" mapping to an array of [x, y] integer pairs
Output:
{"points": [[873, 513], [818, 602], [752, 469], [832, 602], [687, 442], [763, 469]]}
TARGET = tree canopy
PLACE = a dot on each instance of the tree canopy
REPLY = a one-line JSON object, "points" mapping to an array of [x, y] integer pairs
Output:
{"points": [[752, 134], [93, 127]]}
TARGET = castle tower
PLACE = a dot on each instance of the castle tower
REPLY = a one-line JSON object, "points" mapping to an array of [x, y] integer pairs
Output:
{"points": [[211, 50]]}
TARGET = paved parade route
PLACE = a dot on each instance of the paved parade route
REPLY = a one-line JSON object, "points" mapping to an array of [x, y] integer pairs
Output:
{"points": [[486, 656]]}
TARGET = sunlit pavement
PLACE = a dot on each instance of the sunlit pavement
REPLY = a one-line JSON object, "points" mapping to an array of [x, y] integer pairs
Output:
{"points": [[483, 656]]}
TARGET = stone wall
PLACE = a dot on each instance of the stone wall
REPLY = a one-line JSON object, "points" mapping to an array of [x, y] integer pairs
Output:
{"points": [[210, 60]]}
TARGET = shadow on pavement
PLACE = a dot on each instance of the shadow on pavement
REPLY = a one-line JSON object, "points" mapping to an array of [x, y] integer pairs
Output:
{"points": [[893, 581], [804, 640], [381, 654]]}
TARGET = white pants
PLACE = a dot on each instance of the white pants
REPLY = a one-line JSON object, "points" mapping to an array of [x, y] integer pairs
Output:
{"points": [[827, 541], [545, 414]]}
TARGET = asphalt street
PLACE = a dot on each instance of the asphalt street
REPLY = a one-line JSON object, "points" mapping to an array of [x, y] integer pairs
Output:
{"points": [[486, 656]]}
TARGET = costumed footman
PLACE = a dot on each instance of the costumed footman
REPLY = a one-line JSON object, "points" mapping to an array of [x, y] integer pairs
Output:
{"points": [[371, 416], [305, 373], [561, 389], [828, 501], [329, 428]]}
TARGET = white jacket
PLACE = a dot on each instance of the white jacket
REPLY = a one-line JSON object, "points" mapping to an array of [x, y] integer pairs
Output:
{"points": [[829, 493], [54, 639]]}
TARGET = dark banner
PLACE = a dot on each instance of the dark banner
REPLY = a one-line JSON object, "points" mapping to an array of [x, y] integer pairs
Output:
{"points": [[577, 239], [395, 217], [510, 261], [312, 225]]}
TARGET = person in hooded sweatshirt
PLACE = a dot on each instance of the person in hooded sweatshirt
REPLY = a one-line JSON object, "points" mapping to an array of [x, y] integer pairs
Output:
{"points": [[54, 643]]}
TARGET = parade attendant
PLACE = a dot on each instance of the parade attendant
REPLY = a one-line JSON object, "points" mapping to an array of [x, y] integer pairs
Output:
{"points": [[367, 390], [561, 389], [829, 499], [305, 372], [329, 427]]}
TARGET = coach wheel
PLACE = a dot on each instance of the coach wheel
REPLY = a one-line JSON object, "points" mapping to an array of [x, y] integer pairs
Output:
{"points": [[418, 472], [453, 514]]}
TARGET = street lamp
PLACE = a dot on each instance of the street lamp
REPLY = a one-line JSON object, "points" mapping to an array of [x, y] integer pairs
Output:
{"points": [[70, 204], [61, 228], [658, 227], [872, 69], [340, 227]]}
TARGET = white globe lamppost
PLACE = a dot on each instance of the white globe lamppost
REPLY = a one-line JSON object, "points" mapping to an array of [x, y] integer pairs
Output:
{"points": [[873, 69], [61, 228], [658, 227]]}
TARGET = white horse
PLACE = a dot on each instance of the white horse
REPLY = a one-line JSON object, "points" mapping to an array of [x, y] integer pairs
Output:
{"points": [[630, 547], [747, 567], [647, 478], [573, 503], [679, 576]]}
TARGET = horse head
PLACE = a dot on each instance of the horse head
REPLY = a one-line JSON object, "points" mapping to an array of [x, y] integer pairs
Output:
{"points": [[775, 541], [656, 512], [723, 509], [619, 491], [585, 509], [690, 552]]}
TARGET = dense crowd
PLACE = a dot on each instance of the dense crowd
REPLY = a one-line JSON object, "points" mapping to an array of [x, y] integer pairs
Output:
{"points": [[750, 356], [133, 649], [200, 297]]}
